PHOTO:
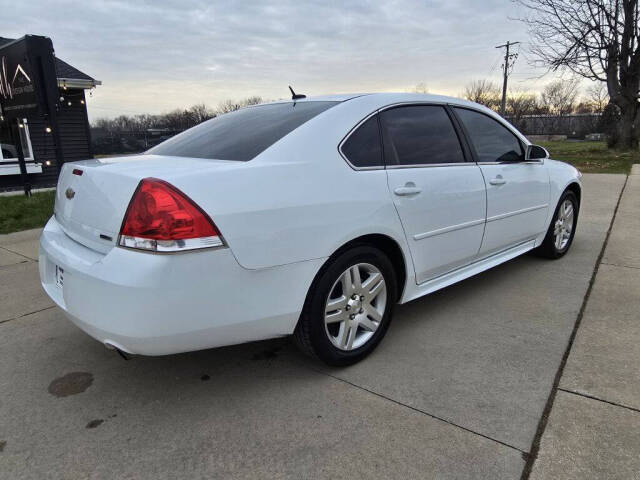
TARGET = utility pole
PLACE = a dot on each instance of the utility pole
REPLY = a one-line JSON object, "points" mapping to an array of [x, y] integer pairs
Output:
{"points": [[507, 60]]}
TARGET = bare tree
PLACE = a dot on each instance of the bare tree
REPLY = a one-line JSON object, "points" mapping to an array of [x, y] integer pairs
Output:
{"points": [[520, 104], [596, 39], [200, 113], [598, 97], [233, 105], [484, 92], [584, 107], [560, 97]]}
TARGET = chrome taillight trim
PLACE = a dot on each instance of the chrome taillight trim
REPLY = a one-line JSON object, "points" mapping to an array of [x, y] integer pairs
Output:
{"points": [[169, 246]]}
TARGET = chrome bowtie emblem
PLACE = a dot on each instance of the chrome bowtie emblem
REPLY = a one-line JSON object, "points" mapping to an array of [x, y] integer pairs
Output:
{"points": [[69, 193]]}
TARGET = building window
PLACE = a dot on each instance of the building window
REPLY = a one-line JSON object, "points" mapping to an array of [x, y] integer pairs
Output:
{"points": [[8, 150]]}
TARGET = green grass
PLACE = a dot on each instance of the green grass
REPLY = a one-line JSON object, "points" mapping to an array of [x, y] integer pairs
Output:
{"points": [[592, 157], [18, 212]]}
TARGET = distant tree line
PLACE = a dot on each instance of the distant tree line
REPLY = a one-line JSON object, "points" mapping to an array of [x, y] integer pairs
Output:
{"points": [[560, 108], [559, 98], [136, 133]]}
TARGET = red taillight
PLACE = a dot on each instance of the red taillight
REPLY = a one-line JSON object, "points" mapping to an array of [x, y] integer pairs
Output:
{"points": [[161, 218]]}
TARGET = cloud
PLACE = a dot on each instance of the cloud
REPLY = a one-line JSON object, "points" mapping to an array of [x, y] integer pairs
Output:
{"points": [[153, 56]]}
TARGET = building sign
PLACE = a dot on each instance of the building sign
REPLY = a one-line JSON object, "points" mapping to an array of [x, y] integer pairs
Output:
{"points": [[28, 81]]}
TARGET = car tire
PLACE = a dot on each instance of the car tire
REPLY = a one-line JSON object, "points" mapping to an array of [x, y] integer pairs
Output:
{"points": [[560, 234], [342, 324]]}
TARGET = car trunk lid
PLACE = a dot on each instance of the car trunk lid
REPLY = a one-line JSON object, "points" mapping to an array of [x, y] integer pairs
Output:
{"points": [[92, 196]]}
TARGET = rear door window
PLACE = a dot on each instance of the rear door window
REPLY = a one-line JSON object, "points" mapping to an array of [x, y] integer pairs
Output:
{"points": [[363, 148], [243, 134], [420, 135], [493, 141]]}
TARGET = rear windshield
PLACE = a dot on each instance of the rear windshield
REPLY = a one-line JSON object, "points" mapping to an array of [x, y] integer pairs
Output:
{"points": [[243, 134]]}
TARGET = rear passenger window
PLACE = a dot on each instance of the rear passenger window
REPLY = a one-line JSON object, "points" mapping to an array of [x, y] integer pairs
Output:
{"points": [[420, 135], [363, 148], [493, 142]]}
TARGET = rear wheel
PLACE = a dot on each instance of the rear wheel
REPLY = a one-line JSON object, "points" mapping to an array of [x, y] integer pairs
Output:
{"points": [[562, 229], [349, 308]]}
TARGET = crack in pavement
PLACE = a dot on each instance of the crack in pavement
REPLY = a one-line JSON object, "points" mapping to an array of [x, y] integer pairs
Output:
{"points": [[21, 262], [26, 314], [620, 266], [598, 399], [18, 253]]}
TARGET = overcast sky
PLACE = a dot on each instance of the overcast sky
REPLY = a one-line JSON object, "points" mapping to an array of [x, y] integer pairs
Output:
{"points": [[154, 56]]}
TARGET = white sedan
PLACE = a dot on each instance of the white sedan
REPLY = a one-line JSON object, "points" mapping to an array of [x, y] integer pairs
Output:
{"points": [[310, 217]]}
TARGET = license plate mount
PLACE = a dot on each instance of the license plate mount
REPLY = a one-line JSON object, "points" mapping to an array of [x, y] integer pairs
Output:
{"points": [[59, 276]]}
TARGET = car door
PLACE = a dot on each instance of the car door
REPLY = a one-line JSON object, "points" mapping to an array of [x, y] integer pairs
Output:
{"points": [[517, 190], [440, 197]]}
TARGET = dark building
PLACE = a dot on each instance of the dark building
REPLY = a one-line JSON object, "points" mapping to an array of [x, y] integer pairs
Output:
{"points": [[38, 144]]}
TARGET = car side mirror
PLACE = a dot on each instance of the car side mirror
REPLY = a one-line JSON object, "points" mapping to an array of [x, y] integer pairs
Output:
{"points": [[536, 153]]}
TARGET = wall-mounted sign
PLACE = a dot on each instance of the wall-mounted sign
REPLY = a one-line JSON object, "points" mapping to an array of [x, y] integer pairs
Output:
{"points": [[28, 81]]}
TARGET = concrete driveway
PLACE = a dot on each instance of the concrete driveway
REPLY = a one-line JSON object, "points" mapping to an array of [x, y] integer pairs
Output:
{"points": [[456, 389]]}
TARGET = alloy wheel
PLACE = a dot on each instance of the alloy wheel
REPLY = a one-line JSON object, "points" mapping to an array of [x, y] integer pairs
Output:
{"points": [[564, 225], [355, 306]]}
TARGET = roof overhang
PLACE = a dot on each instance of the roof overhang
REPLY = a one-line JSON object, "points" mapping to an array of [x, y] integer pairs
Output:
{"points": [[84, 84]]}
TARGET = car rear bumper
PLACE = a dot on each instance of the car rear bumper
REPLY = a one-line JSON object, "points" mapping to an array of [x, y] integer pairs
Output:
{"points": [[155, 304]]}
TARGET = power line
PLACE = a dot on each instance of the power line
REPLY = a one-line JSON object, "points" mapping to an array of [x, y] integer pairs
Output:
{"points": [[506, 69]]}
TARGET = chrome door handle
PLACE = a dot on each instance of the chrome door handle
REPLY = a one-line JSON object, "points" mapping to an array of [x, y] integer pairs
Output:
{"points": [[498, 180], [407, 190]]}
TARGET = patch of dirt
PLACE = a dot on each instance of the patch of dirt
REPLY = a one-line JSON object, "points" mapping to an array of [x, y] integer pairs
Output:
{"points": [[95, 423], [70, 384]]}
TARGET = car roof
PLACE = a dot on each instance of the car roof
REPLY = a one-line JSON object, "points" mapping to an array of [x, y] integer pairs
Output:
{"points": [[362, 104], [383, 99], [332, 97]]}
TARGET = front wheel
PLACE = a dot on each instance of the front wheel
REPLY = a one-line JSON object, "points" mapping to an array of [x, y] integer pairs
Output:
{"points": [[350, 307], [562, 229]]}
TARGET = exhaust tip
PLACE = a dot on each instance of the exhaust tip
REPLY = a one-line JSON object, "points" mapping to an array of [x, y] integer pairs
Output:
{"points": [[122, 353]]}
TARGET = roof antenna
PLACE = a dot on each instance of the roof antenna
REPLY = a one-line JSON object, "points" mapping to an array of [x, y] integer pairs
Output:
{"points": [[296, 96]]}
